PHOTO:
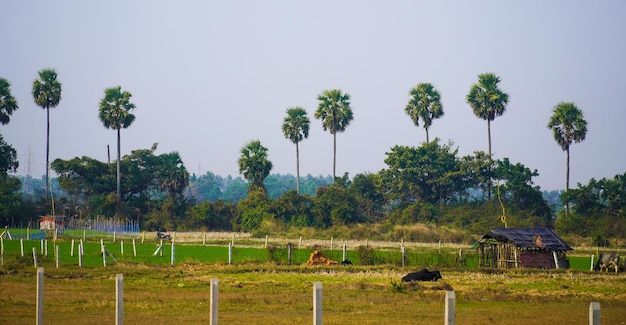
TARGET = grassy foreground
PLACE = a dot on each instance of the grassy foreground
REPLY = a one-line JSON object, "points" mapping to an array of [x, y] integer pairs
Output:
{"points": [[267, 293]]}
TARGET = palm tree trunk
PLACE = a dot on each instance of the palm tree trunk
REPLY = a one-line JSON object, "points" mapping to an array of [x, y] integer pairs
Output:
{"points": [[47, 150], [118, 163], [426, 135], [490, 159], [567, 181], [334, 155], [297, 169]]}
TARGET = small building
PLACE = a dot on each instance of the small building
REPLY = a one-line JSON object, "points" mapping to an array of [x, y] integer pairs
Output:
{"points": [[51, 223], [533, 247]]}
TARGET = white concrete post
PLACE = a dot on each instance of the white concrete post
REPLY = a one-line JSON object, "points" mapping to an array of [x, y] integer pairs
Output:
{"points": [[345, 255], [27, 233], [213, 303], [556, 260], [591, 268], [204, 238], [300, 245], [45, 247], [80, 255], [39, 318], [173, 253], [289, 253], [143, 236], [119, 299], [114, 235], [41, 246], [2, 250], [104, 256], [331, 243], [84, 236], [57, 256], [161, 246], [22, 246], [317, 303], [230, 253], [450, 305], [134, 248], [594, 313], [266, 238], [403, 255], [35, 256], [72, 248], [122, 247]]}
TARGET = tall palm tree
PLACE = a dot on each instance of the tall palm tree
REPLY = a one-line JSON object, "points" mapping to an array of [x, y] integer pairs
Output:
{"points": [[425, 104], [568, 126], [254, 165], [487, 100], [296, 128], [47, 94], [115, 114], [8, 104], [335, 113]]}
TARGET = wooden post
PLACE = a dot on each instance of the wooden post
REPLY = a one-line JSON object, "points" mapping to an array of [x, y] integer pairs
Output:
{"points": [[22, 246], [266, 238], [345, 252], [450, 305], [114, 235], [104, 256], [403, 255], [143, 236], [204, 238], [230, 253], [594, 313], [289, 254], [134, 248], [300, 245], [317, 303], [119, 299], [213, 303], [331, 243], [84, 236], [591, 268], [556, 260], [39, 318], [72, 248], [57, 256], [122, 247], [80, 255]]}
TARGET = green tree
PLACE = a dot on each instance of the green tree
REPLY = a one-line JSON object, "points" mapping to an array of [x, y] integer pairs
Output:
{"points": [[8, 157], [335, 113], [8, 104], [296, 128], [254, 165], [115, 114], [487, 100], [47, 94], [568, 126], [425, 104]]}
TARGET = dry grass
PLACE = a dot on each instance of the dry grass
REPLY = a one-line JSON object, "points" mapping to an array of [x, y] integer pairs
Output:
{"points": [[269, 294]]}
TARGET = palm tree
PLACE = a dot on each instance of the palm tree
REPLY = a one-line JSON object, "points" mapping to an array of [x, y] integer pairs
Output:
{"points": [[254, 165], [335, 113], [296, 128], [487, 100], [425, 103], [115, 114], [47, 94], [8, 104], [568, 126]]}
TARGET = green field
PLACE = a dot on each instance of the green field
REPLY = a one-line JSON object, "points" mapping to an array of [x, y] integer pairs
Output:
{"points": [[261, 288]]}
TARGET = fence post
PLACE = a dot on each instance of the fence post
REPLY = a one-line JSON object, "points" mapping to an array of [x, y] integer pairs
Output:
{"points": [[2, 250], [591, 268], [331, 243], [22, 246], [204, 238], [114, 235], [57, 255], [450, 305], [27, 234], [122, 247], [173, 253], [230, 253], [45, 247], [35, 256], [317, 303], [345, 252], [143, 236], [300, 245], [39, 320], [119, 299], [594, 313], [134, 248], [213, 303], [556, 260], [72, 248], [104, 257], [289, 254], [403, 255], [80, 254], [266, 238]]}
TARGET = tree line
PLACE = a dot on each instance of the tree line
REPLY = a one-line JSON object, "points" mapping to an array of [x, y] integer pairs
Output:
{"points": [[428, 183]]}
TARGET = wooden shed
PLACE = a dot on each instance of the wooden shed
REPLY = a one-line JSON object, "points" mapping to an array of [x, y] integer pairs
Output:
{"points": [[534, 247]]}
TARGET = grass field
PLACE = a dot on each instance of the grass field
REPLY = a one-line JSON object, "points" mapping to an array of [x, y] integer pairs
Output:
{"points": [[260, 288]]}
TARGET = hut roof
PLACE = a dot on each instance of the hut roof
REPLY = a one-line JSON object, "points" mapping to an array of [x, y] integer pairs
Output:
{"points": [[532, 237]]}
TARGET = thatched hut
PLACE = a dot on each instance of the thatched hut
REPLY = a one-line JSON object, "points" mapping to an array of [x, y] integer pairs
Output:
{"points": [[534, 247]]}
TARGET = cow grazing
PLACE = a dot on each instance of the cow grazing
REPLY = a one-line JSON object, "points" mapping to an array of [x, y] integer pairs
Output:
{"points": [[423, 275], [606, 260]]}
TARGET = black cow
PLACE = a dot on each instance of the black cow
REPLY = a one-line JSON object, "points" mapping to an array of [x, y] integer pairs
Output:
{"points": [[607, 260], [346, 262], [423, 275]]}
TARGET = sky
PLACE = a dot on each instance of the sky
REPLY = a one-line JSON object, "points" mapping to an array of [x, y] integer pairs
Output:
{"points": [[207, 77]]}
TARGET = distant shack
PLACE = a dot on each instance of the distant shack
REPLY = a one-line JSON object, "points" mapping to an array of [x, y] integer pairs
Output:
{"points": [[533, 247]]}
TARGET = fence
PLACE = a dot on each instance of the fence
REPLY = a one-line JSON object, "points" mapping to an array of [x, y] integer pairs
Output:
{"points": [[449, 312]]}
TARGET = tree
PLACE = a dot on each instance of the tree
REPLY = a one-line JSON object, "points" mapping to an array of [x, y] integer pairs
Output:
{"points": [[47, 94], [487, 100], [254, 165], [425, 103], [115, 114], [8, 104], [8, 158], [568, 125], [335, 113], [296, 128]]}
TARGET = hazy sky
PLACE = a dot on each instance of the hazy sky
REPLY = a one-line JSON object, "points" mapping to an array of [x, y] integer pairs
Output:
{"points": [[209, 76]]}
